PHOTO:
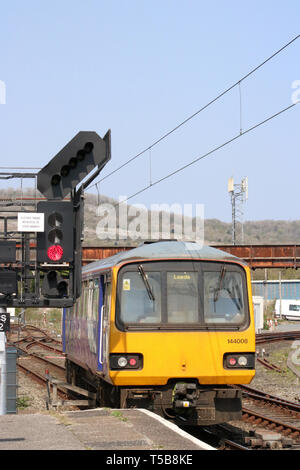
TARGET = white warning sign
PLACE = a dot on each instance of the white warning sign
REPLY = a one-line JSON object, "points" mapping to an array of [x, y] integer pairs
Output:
{"points": [[30, 222]]}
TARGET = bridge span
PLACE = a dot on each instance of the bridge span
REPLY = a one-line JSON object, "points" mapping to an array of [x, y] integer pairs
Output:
{"points": [[257, 256]]}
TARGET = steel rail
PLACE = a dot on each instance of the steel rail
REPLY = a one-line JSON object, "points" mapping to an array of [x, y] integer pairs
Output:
{"points": [[34, 375], [269, 365], [277, 336], [290, 406], [279, 426]]}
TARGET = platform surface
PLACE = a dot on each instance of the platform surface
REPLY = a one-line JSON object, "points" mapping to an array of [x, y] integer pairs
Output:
{"points": [[97, 429]]}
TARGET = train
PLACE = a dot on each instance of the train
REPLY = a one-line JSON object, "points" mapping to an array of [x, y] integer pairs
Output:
{"points": [[167, 326]]}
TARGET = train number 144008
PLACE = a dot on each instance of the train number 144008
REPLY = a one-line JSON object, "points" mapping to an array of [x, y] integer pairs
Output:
{"points": [[237, 341]]}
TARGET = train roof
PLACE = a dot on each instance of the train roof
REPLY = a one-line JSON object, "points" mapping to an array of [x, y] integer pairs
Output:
{"points": [[163, 250]]}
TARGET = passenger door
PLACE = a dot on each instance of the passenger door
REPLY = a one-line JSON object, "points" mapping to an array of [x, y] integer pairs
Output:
{"points": [[104, 311]]}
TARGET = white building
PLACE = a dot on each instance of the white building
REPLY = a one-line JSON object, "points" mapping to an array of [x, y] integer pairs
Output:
{"points": [[258, 307]]}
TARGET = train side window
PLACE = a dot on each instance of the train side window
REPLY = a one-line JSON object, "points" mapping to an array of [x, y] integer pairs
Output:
{"points": [[80, 305], [89, 300], [107, 298], [96, 299], [84, 299]]}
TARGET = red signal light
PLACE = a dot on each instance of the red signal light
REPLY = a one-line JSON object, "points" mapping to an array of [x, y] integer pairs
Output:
{"points": [[55, 252]]}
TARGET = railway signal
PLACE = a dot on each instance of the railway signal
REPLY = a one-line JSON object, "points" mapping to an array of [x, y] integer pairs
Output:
{"points": [[54, 285], [55, 244], [41, 259], [85, 152]]}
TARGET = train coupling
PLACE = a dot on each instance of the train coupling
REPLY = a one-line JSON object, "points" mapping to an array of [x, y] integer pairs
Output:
{"points": [[185, 395]]}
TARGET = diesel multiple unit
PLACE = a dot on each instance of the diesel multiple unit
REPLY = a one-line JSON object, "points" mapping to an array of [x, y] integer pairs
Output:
{"points": [[166, 326]]}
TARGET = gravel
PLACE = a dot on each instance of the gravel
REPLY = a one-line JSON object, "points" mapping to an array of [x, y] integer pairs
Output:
{"points": [[285, 385], [31, 395]]}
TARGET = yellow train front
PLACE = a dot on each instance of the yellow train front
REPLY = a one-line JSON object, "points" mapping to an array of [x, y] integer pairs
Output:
{"points": [[166, 326]]}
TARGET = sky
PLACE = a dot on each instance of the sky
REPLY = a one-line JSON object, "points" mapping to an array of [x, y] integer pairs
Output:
{"points": [[140, 68]]}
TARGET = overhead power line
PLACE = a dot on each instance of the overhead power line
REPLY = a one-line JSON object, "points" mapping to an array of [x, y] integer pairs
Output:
{"points": [[167, 134], [201, 157]]}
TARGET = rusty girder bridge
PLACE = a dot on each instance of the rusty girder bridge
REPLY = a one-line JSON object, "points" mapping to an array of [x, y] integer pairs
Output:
{"points": [[257, 256]]}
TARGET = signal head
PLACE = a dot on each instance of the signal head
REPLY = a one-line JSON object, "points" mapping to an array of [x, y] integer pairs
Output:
{"points": [[55, 252], [73, 163]]}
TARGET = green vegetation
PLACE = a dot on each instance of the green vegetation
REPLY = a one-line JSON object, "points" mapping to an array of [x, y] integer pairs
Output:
{"points": [[268, 311], [23, 402], [279, 357], [215, 231], [49, 318], [118, 414], [273, 274]]}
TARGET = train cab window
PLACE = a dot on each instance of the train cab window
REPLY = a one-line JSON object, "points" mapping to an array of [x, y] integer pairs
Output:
{"points": [[223, 297], [141, 297], [182, 295]]}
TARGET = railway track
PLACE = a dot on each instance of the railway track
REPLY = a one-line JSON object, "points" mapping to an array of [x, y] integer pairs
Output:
{"points": [[269, 365], [221, 437], [266, 411], [41, 358], [260, 396], [271, 412], [38, 356], [39, 351], [277, 336]]}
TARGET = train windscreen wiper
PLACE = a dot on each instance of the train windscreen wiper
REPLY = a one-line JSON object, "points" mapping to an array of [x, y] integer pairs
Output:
{"points": [[146, 282], [217, 291]]}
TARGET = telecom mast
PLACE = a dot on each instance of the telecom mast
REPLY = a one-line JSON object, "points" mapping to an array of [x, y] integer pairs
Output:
{"points": [[239, 196]]}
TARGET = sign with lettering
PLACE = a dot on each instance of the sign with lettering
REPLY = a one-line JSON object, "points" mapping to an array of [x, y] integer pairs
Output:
{"points": [[30, 222], [4, 321]]}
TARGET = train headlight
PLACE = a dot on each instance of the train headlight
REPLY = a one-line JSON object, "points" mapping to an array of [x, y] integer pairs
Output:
{"points": [[122, 361], [242, 360], [125, 361], [239, 361]]}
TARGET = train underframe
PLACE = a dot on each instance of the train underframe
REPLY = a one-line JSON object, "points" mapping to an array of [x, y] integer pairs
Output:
{"points": [[183, 401]]}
